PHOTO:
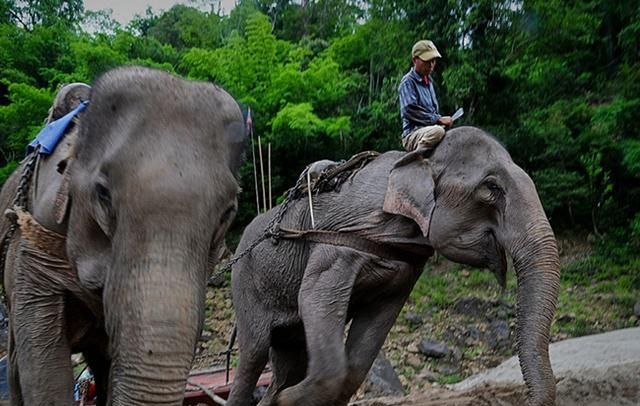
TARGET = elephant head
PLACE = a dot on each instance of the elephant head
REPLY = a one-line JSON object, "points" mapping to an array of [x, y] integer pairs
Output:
{"points": [[152, 190], [473, 204]]}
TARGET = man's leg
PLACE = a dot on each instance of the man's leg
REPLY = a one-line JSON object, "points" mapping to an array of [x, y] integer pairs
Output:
{"points": [[424, 137]]}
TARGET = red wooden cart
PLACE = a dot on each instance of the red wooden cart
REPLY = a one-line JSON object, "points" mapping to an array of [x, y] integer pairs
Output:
{"points": [[202, 384], [215, 381]]}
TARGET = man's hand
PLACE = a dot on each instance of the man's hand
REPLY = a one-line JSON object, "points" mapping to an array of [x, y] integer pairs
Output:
{"points": [[446, 121]]}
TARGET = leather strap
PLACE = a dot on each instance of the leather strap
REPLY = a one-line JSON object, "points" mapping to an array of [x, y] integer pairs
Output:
{"points": [[411, 253], [48, 241]]}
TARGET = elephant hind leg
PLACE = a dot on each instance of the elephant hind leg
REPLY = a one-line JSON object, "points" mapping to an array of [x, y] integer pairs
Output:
{"points": [[288, 360], [253, 343]]}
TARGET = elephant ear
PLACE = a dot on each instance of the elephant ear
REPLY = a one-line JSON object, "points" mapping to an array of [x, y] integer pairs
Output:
{"points": [[61, 205], [410, 190], [67, 99], [236, 135]]}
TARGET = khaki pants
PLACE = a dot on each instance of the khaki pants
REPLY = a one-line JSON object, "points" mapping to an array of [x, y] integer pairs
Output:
{"points": [[424, 137]]}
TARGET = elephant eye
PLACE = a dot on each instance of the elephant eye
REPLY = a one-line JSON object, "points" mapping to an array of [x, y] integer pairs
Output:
{"points": [[228, 214], [103, 194], [492, 185], [104, 213], [489, 190]]}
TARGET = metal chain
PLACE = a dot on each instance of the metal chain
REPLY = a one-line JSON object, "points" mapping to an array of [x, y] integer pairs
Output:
{"points": [[25, 180], [273, 228], [20, 202]]}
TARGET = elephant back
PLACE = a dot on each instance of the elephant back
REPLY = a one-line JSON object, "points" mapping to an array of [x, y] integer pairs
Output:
{"points": [[324, 176]]}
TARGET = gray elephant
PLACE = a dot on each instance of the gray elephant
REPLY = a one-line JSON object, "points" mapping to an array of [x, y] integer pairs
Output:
{"points": [[294, 297], [113, 252]]}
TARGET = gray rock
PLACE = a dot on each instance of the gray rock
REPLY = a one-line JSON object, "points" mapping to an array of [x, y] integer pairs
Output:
{"points": [[415, 361], [473, 333], [472, 307], [433, 349], [567, 317], [413, 318], [636, 309], [582, 357], [382, 379], [501, 313], [429, 375], [498, 336], [456, 354], [448, 368], [216, 280]]}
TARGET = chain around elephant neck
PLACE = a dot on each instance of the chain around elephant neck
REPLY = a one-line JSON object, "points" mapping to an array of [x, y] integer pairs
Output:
{"points": [[19, 202], [273, 228], [320, 184]]}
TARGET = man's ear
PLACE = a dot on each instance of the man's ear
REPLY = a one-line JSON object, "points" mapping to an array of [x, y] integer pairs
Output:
{"points": [[410, 190]]}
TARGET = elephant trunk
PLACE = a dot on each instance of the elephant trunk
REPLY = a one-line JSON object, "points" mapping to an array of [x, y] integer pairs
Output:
{"points": [[155, 327], [537, 267]]}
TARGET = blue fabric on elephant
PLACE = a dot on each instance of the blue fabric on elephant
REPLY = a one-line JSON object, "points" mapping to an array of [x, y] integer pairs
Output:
{"points": [[52, 133]]}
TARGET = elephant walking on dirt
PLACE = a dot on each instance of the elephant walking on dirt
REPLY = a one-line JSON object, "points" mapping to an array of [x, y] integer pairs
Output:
{"points": [[293, 299], [116, 242]]}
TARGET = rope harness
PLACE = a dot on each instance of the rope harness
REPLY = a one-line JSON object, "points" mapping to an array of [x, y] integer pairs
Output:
{"points": [[330, 179], [413, 254], [19, 204]]}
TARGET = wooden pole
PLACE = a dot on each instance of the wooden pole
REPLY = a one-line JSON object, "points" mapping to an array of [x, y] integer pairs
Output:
{"points": [[264, 191], [269, 171], [253, 155], [313, 221]]}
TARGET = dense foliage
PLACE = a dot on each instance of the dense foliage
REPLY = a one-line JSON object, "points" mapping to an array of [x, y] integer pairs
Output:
{"points": [[558, 82]]}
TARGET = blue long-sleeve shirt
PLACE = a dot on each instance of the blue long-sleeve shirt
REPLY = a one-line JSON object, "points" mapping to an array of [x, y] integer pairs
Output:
{"points": [[418, 102]]}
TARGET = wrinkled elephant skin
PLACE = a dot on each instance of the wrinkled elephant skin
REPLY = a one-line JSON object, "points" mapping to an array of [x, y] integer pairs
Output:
{"points": [[143, 187], [466, 199]]}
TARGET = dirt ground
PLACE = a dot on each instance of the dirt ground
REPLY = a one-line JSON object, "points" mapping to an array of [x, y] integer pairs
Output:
{"points": [[597, 370], [619, 387]]}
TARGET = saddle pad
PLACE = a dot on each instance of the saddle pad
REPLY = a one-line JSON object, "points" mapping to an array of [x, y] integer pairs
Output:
{"points": [[52, 133]]}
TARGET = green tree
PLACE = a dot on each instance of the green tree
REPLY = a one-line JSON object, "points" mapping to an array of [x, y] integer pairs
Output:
{"points": [[30, 13], [21, 119], [101, 22], [186, 27]]}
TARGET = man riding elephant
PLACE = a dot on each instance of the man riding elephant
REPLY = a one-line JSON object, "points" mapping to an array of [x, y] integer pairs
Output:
{"points": [[422, 124]]}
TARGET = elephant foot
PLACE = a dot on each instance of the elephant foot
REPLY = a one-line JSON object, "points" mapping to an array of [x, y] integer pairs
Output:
{"points": [[310, 393], [289, 397]]}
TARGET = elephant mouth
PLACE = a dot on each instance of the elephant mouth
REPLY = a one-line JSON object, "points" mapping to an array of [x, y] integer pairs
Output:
{"points": [[496, 259]]}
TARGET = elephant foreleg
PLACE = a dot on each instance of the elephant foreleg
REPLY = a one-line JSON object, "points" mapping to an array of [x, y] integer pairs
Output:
{"points": [[253, 342], [323, 302], [369, 329], [43, 353], [288, 362], [13, 374], [100, 366]]}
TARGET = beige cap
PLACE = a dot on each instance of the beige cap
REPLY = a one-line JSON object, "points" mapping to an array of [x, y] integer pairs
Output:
{"points": [[425, 50]]}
